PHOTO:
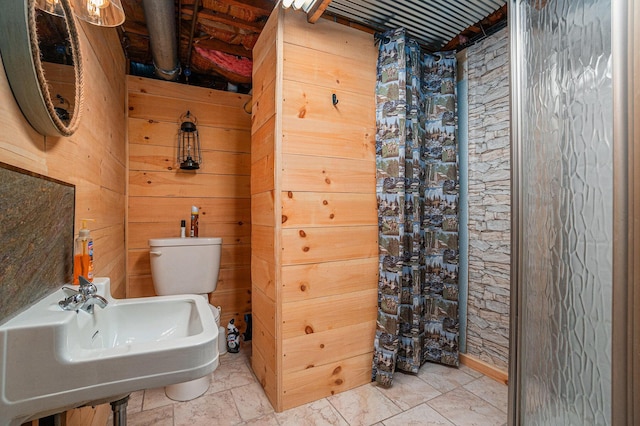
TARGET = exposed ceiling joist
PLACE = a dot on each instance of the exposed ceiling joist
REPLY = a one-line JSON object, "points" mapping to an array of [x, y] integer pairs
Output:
{"points": [[258, 6], [232, 27], [206, 14], [317, 10], [478, 29]]}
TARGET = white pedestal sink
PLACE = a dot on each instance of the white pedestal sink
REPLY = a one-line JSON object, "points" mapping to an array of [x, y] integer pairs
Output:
{"points": [[53, 360]]}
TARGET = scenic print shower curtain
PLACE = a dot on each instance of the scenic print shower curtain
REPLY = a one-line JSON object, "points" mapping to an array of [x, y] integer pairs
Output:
{"points": [[417, 191]]}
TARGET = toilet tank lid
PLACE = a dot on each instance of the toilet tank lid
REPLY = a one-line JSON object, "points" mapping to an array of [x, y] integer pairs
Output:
{"points": [[169, 242]]}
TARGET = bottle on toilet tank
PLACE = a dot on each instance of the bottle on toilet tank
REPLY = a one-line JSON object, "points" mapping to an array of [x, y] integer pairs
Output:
{"points": [[194, 222]]}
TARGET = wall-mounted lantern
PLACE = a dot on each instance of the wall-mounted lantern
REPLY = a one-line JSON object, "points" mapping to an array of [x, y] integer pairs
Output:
{"points": [[189, 154]]}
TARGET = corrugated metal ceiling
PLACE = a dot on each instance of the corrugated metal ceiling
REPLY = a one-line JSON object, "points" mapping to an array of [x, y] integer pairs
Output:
{"points": [[432, 22]]}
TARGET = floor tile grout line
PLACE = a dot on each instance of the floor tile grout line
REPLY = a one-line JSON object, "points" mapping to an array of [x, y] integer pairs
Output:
{"points": [[376, 387], [442, 414], [481, 397], [235, 403], [338, 411]]}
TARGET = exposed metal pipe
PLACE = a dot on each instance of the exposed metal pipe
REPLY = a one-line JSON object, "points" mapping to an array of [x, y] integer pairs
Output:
{"points": [[119, 409], [160, 17]]}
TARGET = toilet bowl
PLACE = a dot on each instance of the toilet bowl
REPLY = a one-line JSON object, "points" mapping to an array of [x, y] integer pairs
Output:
{"points": [[187, 266]]}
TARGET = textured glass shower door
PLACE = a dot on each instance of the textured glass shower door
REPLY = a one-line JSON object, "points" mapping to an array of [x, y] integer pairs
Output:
{"points": [[563, 209]]}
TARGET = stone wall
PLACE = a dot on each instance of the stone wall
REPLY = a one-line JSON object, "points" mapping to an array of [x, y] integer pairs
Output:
{"points": [[489, 200]]}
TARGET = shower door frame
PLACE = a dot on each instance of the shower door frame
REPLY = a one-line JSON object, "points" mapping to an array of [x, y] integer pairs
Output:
{"points": [[625, 356]]}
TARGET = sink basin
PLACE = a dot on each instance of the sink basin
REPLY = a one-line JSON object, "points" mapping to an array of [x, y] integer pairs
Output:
{"points": [[53, 360], [135, 322]]}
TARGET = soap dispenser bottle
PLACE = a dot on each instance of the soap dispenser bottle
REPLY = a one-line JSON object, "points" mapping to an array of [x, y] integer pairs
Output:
{"points": [[83, 256], [194, 222]]}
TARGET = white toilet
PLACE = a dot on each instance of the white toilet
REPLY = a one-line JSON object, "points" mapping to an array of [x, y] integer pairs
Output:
{"points": [[187, 266]]}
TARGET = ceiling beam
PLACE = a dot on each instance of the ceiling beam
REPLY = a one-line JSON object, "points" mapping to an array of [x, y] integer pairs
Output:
{"points": [[134, 27], [317, 10], [259, 7], [225, 19], [194, 21], [477, 30]]}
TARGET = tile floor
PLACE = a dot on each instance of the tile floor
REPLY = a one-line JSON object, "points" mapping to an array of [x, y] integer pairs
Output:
{"points": [[438, 395]]}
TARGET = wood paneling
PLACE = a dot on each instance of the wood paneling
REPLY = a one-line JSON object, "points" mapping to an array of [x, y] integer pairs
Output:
{"points": [[263, 275], [231, 233], [161, 195], [161, 158], [264, 106], [172, 210], [314, 252], [158, 133], [266, 375], [182, 92], [265, 311], [322, 244], [331, 209], [263, 174], [303, 282], [185, 183], [327, 174], [339, 40], [307, 107], [93, 159], [170, 110], [325, 380], [320, 68], [326, 313], [262, 239], [309, 350], [264, 211]]}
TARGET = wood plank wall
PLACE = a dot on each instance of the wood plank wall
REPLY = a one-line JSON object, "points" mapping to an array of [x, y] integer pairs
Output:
{"points": [[160, 194], [315, 239], [93, 159], [265, 210]]}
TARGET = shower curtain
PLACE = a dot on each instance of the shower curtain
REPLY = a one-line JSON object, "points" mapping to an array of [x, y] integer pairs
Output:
{"points": [[417, 192]]}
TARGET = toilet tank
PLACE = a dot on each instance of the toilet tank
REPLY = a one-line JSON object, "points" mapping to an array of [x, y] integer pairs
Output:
{"points": [[184, 265]]}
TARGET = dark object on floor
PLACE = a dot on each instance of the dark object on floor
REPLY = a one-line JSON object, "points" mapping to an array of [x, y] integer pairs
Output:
{"points": [[233, 337], [247, 333]]}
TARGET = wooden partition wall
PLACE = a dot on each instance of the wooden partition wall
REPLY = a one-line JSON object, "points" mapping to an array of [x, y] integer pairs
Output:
{"points": [[315, 235], [161, 195]]}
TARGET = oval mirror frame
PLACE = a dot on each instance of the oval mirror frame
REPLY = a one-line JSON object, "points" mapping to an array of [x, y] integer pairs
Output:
{"points": [[23, 66]]}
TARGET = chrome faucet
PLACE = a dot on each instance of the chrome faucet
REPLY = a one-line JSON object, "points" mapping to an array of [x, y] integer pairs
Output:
{"points": [[84, 298], [95, 299]]}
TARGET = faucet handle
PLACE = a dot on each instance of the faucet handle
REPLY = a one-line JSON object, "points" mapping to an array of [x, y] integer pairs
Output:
{"points": [[73, 302], [87, 287]]}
